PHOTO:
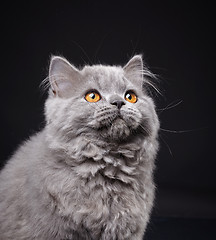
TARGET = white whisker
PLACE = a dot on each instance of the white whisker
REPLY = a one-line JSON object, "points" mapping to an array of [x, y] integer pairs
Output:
{"points": [[167, 145], [171, 105], [182, 131], [146, 130]]}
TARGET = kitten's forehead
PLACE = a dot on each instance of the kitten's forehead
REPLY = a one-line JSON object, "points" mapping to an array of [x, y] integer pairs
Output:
{"points": [[107, 78]]}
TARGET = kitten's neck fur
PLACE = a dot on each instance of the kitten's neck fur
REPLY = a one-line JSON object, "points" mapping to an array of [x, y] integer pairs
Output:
{"points": [[87, 146], [91, 158]]}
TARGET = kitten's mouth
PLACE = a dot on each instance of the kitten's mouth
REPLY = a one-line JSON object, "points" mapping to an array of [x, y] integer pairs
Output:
{"points": [[116, 130], [115, 125]]}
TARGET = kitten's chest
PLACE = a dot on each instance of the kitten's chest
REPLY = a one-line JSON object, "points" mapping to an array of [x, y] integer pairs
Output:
{"points": [[107, 197], [102, 189], [107, 182], [109, 168]]}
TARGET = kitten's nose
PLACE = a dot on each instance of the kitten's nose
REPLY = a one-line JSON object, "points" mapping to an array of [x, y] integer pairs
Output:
{"points": [[118, 103]]}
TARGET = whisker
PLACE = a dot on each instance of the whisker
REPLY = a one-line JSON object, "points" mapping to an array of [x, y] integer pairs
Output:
{"points": [[82, 49], [182, 131], [100, 45], [146, 130], [149, 77], [167, 145], [171, 105], [153, 86]]}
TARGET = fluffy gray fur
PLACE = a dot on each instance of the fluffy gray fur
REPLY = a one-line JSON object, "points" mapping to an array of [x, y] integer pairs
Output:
{"points": [[89, 173]]}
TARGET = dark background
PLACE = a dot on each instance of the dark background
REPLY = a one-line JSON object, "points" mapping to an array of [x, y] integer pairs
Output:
{"points": [[176, 40]]}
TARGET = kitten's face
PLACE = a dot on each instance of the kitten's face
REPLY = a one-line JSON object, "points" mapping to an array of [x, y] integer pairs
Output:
{"points": [[101, 101]]}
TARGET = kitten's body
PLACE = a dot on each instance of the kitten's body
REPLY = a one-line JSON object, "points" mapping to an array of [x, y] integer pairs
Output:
{"points": [[88, 174]]}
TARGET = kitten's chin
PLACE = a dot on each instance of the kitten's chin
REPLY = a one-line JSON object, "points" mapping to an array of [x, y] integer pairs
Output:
{"points": [[117, 131]]}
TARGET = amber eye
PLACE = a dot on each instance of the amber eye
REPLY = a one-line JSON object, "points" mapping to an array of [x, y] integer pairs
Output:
{"points": [[131, 97], [92, 96]]}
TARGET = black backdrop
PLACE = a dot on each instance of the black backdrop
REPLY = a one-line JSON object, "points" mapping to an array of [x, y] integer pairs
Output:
{"points": [[177, 43]]}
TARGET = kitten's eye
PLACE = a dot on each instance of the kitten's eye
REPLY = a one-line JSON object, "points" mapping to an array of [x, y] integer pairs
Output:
{"points": [[131, 97], [92, 97]]}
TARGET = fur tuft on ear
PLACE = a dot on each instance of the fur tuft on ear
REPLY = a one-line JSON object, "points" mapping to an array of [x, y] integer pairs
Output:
{"points": [[135, 64], [134, 70], [138, 73], [61, 76]]}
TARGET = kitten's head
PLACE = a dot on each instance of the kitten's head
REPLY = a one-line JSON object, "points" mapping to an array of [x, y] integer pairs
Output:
{"points": [[108, 102]]}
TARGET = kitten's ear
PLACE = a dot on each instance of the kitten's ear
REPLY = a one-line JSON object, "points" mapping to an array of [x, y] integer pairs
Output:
{"points": [[62, 76], [134, 70]]}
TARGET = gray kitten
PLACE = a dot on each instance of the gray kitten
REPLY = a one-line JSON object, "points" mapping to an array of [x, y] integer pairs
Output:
{"points": [[89, 173]]}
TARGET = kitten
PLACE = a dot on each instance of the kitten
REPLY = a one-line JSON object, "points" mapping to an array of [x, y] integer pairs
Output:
{"points": [[89, 173]]}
